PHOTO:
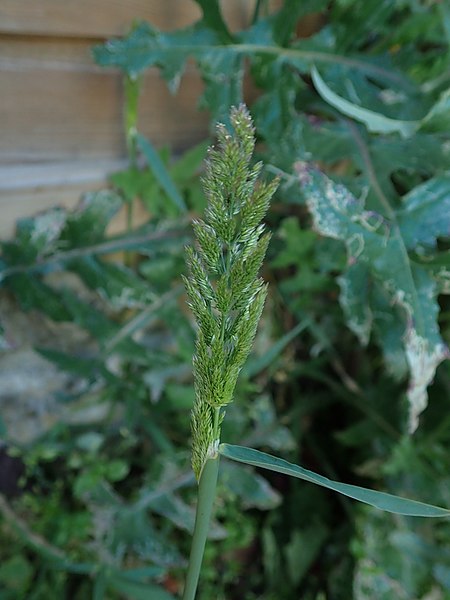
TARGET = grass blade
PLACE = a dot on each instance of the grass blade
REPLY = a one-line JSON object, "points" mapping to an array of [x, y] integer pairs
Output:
{"points": [[381, 500], [160, 172]]}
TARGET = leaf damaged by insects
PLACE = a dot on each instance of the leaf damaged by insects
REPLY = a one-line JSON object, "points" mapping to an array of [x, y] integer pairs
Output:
{"points": [[379, 264]]}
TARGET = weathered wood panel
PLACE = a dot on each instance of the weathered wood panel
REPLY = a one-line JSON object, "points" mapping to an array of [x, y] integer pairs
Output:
{"points": [[60, 106], [88, 18], [58, 110], [27, 189], [30, 198], [104, 18]]}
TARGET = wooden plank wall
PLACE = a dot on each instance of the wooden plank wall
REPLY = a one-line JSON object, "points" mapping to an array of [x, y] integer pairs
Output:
{"points": [[61, 115]]}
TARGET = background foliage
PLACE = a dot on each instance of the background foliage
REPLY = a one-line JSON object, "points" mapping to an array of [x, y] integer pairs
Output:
{"points": [[353, 113]]}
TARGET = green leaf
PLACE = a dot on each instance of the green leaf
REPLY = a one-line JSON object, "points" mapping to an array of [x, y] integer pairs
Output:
{"points": [[377, 242], [147, 239], [253, 490], [160, 172], [182, 515], [212, 18], [354, 299], [99, 590], [86, 367], [374, 121], [442, 574], [222, 73], [273, 55], [189, 165], [36, 237], [284, 22], [134, 532], [87, 224], [145, 46], [303, 549], [16, 574], [134, 183], [381, 500], [135, 590], [438, 118], [114, 282], [142, 319], [425, 213], [258, 363], [32, 293]]}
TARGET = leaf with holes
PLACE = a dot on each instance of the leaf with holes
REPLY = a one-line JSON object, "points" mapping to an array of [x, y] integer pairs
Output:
{"points": [[379, 265]]}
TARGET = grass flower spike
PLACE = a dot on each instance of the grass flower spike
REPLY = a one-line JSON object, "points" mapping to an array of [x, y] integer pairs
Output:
{"points": [[225, 293], [226, 296]]}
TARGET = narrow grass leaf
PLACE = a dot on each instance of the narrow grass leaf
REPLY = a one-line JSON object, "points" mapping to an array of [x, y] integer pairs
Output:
{"points": [[160, 172], [381, 500], [259, 363], [136, 590]]}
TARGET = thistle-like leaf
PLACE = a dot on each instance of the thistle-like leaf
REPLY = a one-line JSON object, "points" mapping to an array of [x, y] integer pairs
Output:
{"points": [[380, 267]]}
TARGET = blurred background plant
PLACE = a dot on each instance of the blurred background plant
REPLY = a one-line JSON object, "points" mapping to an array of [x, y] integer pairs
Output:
{"points": [[97, 492]]}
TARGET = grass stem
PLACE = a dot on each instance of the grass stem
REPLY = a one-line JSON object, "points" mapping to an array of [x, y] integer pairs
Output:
{"points": [[206, 495]]}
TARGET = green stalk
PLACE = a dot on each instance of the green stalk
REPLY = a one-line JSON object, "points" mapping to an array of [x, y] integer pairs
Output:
{"points": [[206, 495], [132, 89]]}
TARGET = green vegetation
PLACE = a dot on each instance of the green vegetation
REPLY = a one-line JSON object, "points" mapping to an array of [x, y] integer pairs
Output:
{"points": [[348, 376]]}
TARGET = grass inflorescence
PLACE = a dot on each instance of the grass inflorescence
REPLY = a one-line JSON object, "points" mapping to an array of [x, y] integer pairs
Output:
{"points": [[225, 292]]}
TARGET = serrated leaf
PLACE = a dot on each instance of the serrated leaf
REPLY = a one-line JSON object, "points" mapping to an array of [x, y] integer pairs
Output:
{"points": [[425, 213], [223, 74], [284, 22], [377, 242], [32, 293], [212, 18], [220, 63], [147, 239], [87, 224], [114, 282], [424, 153], [38, 236], [146, 46], [381, 500], [375, 122]]}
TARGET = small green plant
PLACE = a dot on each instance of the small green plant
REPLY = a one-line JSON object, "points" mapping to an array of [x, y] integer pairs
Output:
{"points": [[227, 298]]}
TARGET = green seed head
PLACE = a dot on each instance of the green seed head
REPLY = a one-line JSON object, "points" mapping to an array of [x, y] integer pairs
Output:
{"points": [[224, 290]]}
